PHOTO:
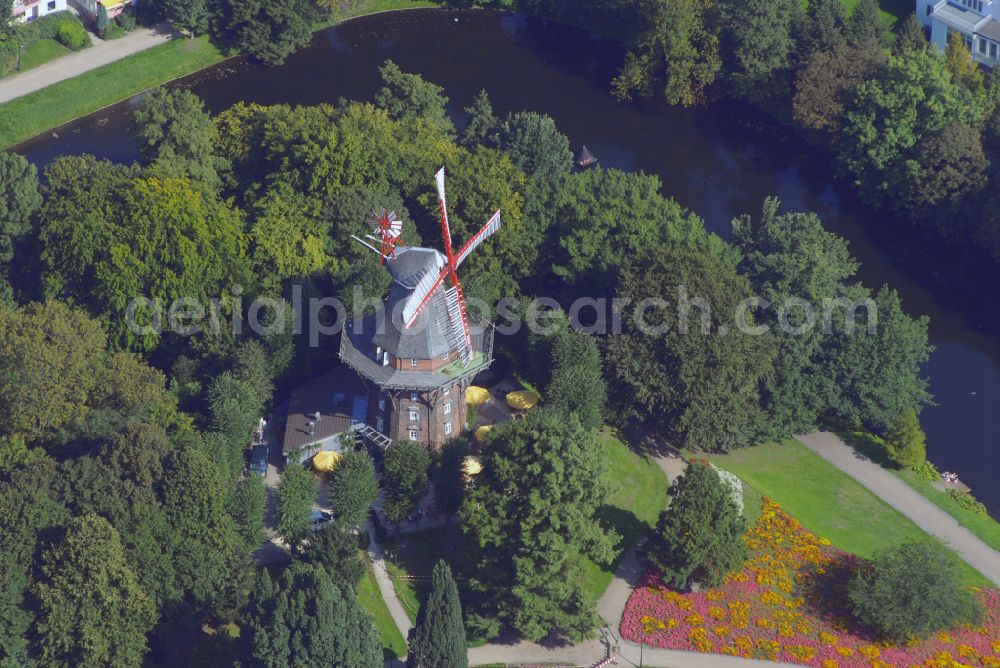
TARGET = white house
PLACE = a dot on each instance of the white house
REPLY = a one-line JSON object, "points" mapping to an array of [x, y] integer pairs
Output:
{"points": [[29, 10], [975, 20]]}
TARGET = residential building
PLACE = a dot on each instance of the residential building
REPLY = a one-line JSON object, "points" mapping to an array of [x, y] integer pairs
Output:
{"points": [[975, 21], [29, 10], [114, 7]]}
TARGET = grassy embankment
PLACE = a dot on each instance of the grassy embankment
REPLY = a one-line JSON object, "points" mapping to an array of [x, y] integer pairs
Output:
{"points": [[59, 103], [393, 643], [827, 501], [638, 494], [41, 52], [986, 528]]}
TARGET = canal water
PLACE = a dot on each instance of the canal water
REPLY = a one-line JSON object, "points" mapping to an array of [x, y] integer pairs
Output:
{"points": [[719, 162]]}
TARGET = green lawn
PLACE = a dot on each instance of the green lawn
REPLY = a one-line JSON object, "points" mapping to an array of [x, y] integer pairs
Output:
{"points": [[638, 495], [986, 528], [41, 52], [393, 643], [27, 116], [827, 502]]}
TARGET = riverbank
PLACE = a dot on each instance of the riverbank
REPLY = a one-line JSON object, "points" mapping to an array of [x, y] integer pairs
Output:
{"points": [[67, 100]]}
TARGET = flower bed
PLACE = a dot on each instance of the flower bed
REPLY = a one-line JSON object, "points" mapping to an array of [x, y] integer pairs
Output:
{"points": [[788, 603]]}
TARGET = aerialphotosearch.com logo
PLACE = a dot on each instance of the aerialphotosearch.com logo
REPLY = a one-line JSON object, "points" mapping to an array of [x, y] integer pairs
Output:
{"points": [[323, 317]]}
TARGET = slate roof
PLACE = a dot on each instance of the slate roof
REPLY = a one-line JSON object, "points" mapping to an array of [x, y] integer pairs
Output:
{"points": [[426, 338], [991, 30], [333, 395]]}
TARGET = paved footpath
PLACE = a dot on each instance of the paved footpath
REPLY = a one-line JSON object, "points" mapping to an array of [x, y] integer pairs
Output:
{"points": [[906, 500], [79, 62]]}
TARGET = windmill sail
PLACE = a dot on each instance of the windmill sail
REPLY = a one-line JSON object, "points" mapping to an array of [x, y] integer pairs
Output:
{"points": [[421, 295], [453, 319], [491, 227], [445, 225]]}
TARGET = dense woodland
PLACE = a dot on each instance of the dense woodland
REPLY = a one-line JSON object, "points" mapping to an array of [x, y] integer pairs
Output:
{"points": [[127, 520]]}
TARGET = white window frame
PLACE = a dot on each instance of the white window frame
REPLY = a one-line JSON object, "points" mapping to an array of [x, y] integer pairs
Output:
{"points": [[414, 415], [447, 408], [413, 396], [381, 403], [379, 424], [447, 428], [413, 434], [413, 362]]}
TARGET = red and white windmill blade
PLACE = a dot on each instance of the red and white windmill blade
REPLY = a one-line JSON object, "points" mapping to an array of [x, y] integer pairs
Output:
{"points": [[429, 284]]}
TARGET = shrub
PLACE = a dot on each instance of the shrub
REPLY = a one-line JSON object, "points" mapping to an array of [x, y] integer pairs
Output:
{"points": [[905, 443], [911, 591], [967, 501], [72, 36], [927, 471], [126, 20]]}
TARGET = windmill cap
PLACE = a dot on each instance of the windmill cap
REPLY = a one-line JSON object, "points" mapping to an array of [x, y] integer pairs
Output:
{"points": [[411, 263]]}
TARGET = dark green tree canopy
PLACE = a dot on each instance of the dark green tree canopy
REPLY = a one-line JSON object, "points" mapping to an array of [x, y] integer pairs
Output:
{"points": [[272, 30], [535, 145], [438, 638], [407, 95], [699, 537], [353, 488], [531, 516]]}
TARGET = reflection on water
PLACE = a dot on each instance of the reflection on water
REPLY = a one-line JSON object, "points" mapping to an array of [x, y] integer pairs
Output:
{"points": [[720, 163]]}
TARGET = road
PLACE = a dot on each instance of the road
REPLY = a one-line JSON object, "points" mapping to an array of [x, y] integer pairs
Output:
{"points": [[906, 500], [77, 63]]}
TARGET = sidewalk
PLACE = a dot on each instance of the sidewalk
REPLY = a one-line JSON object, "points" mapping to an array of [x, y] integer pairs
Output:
{"points": [[77, 63], [906, 500]]}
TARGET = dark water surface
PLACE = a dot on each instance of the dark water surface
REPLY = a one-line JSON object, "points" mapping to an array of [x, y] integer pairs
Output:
{"points": [[719, 162]]}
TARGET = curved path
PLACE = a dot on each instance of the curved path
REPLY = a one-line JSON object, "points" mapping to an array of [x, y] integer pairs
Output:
{"points": [[906, 500]]}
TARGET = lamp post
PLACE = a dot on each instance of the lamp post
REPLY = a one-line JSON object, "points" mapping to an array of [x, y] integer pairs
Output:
{"points": [[20, 49]]}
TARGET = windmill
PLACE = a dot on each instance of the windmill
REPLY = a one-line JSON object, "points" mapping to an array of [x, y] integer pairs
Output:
{"points": [[453, 315], [389, 228]]}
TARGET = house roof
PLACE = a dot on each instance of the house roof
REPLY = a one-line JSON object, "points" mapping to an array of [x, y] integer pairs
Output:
{"points": [[991, 30], [335, 395]]}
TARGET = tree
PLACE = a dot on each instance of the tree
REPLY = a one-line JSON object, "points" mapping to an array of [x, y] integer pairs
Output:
{"points": [[672, 365], [959, 62], [824, 28], [438, 638], [353, 488], [19, 201], [409, 96], [296, 494], [953, 166], [531, 518], [866, 22], [576, 384], [699, 537], [103, 23], [535, 145], [603, 220], [905, 441], [305, 620], [911, 35], [482, 121], [174, 129], [824, 87], [448, 476], [911, 591], [675, 46], [756, 45], [791, 256], [272, 30], [335, 548], [247, 505], [56, 370], [289, 237], [201, 541], [406, 464], [93, 611], [192, 16], [894, 115], [6, 17], [878, 368]]}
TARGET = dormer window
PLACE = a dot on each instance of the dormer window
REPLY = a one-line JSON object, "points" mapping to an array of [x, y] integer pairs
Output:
{"points": [[413, 362]]}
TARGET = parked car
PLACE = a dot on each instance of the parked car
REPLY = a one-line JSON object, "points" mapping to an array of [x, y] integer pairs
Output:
{"points": [[258, 459], [318, 518]]}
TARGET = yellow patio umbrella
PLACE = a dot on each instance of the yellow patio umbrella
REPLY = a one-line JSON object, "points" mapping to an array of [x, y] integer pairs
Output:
{"points": [[326, 460], [481, 432], [522, 400], [471, 465], [475, 395]]}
